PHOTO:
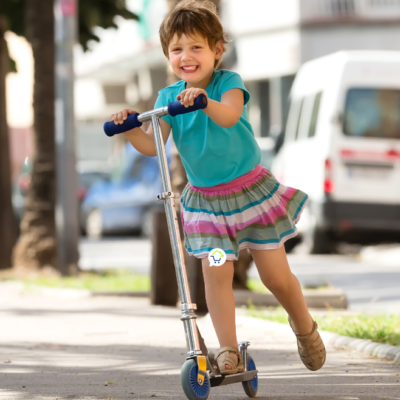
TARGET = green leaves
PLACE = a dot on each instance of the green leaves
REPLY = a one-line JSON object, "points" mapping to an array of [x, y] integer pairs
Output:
{"points": [[95, 13], [92, 14], [13, 13]]}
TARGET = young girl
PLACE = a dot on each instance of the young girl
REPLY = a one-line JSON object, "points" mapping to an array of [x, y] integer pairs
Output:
{"points": [[230, 202]]}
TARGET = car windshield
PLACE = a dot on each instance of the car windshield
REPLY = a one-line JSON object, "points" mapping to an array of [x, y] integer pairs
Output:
{"points": [[372, 112], [118, 170]]}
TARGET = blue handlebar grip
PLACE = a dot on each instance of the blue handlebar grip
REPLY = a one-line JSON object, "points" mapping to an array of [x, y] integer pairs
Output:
{"points": [[131, 122], [176, 108]]}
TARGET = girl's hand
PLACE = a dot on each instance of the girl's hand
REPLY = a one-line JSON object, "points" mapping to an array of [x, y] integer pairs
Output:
{"points": [[187, 96], [120, 117]]}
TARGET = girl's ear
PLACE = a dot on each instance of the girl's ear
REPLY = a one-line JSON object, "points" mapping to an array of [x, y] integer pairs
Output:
{"points": [[219, 50]]}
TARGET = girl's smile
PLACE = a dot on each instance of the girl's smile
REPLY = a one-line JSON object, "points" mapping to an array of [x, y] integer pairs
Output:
{"points": [[189, 69]]}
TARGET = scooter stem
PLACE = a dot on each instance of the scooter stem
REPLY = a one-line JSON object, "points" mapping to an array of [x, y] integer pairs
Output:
{"points": [[187, 307]]}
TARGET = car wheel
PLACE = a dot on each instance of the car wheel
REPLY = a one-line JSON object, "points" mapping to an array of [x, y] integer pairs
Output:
{"points": [[147, 223], [94, 224]]}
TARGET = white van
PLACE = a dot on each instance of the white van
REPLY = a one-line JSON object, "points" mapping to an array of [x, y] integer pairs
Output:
{"points": [[342, 147]]}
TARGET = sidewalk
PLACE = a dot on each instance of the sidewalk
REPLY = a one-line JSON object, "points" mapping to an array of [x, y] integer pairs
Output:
{"points": [[86, 348]]}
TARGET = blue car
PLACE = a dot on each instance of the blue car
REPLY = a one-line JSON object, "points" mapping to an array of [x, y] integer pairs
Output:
{"points": [[125, 202]]}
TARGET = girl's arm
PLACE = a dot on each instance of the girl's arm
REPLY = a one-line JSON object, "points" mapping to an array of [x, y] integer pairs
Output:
{"points": [[225, 113], [142, 141]]}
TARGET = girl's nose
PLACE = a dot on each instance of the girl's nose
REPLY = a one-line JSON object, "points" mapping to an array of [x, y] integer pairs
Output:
{"points": [[186, 56]]}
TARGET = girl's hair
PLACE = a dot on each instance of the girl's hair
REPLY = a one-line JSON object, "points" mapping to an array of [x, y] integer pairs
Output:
{"points": [[192, 17]]}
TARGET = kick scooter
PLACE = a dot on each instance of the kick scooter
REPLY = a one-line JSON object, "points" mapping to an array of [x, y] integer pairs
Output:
{"points": [[200, 371]]}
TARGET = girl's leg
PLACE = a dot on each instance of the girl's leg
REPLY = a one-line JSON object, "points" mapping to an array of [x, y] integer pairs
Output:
{"points": [[276, 275], [220, 302]]}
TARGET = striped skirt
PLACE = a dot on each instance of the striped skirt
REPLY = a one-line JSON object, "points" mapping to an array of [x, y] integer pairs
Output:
{"points": [[253, 211]]}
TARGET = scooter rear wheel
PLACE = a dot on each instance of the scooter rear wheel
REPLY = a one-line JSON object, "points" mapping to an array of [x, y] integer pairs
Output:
{"points": [[251, 387], [193, 390]]}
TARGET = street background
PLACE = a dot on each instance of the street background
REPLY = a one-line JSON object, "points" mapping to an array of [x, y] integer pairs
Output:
{"points": [[370, 285]]}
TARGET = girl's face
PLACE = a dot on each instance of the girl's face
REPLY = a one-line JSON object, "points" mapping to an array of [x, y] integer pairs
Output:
{"points": [[192, 59]]}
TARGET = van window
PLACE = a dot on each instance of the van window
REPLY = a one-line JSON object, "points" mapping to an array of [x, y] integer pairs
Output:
{"points": [[299, 119], [314, 115], [293, 120], [372, 112]]}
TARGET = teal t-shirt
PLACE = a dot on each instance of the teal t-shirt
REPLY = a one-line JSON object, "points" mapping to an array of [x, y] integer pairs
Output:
{"points": [[211, 154]]}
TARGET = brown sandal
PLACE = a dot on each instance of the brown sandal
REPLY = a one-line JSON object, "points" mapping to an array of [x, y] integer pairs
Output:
{"points": [[228, 359], [311, 349]]}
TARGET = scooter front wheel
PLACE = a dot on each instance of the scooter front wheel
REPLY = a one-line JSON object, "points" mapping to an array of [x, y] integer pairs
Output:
{"points": [[251, 387], [193, 390]]}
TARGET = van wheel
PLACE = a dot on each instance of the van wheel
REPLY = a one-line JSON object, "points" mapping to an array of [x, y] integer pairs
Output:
{"points": [[318, 241], [291, 244], [147, 223], [94, 224]]}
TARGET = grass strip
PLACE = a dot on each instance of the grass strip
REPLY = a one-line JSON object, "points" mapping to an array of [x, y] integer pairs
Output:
{"points": [[380, 328], [107, 281]]}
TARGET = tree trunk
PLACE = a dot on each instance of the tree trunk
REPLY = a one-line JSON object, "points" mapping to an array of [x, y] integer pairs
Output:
{"points": [[8, 227], [36, 247]]}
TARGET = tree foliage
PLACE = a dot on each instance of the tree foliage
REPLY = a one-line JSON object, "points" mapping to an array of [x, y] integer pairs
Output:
{"points": [[13, 12], [95, 13], [92, 14]]}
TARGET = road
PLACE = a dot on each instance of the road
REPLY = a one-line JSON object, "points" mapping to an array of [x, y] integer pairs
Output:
{"points": [[369, 286]]}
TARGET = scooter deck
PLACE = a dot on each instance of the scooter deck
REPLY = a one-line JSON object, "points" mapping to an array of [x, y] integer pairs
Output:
{"points": [[234, 378]]}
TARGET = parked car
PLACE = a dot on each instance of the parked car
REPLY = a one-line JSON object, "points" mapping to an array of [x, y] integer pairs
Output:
{"points": [[126, 202], [88, 173], [342, 147]]}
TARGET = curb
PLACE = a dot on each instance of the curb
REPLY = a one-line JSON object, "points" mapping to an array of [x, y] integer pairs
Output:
{"points": [[367, 347], [363, 346]]}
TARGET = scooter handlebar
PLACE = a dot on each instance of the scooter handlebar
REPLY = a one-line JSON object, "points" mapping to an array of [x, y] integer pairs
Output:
{"points": [[131, 122], [174, 108]]}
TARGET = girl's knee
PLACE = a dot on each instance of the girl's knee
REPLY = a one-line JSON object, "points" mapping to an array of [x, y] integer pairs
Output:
{"points": [[279, 283], [217, 273]]}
